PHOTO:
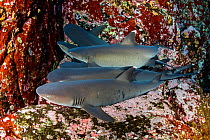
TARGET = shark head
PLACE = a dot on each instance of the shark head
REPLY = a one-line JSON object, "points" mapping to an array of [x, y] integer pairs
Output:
{"points": [[80, 53], [49, 92]]}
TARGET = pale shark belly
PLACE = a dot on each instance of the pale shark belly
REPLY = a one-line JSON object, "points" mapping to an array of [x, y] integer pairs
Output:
{"points": [[121, 56]]}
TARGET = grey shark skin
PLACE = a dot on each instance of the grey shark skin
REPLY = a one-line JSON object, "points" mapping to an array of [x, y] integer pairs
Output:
{"points": [[73, 74], [91, 95], [73, 65], [127, 53], [84, 38], [114, 55]]}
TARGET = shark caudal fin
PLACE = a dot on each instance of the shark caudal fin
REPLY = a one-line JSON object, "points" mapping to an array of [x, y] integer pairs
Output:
{"points": [[174, 76], [97, 112]]}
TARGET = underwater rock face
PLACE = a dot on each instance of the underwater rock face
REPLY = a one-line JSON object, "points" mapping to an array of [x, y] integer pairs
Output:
{"points": [[170, 112], [28, 34]]}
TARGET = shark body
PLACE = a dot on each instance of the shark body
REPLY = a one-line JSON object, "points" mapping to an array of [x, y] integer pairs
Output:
{"points": [[140, 75], [73, 65], [104, 52], [91, 95], [117, 55]]}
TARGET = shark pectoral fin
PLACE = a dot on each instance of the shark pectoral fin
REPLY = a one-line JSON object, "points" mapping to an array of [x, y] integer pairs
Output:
{"points": [[97, 112], [96, 31], [130, 39]]}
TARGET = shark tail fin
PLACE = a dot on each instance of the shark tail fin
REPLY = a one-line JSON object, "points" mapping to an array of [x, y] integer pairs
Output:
{"points": [[174, 76]]}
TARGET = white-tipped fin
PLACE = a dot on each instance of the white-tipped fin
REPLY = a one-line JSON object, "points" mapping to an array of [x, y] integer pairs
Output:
{"points": [[130, 39]]}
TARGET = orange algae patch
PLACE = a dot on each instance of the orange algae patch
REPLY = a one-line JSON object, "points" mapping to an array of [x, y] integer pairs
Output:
{"points": [[28, 46], [8, 127]]}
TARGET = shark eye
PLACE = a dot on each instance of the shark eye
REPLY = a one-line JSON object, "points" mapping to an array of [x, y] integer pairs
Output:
{"points": [[48, 96]]}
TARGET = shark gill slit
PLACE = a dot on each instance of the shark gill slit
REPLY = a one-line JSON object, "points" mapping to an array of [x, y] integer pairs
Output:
{"points": [[78, 101]]}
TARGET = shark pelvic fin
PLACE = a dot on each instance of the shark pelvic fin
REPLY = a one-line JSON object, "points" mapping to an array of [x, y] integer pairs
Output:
{"points": [[130, 39], [96, 31], [97, 112], [126, 75]]}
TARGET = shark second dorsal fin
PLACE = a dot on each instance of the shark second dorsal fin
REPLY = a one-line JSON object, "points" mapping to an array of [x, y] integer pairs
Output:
{"points": [[97, 112], [126, 75], [96, 31], [130, 39], [157, 78]]}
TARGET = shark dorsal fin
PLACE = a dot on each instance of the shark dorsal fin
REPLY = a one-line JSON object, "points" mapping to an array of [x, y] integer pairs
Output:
{"points": [[130, 39], [126, 75], [96, 31]]}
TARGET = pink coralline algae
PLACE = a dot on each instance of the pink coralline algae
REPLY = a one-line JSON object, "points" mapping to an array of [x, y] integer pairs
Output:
{"points": [[177, 109]]}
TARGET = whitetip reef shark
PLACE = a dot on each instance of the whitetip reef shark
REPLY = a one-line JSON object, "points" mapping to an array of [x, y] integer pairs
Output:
{"points": [[92, 94], [140, 75], [127, 53], [141, 54]]}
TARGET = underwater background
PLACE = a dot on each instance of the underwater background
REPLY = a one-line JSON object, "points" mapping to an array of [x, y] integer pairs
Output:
{"points": [[29, 31]]}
